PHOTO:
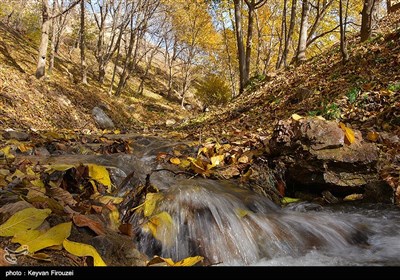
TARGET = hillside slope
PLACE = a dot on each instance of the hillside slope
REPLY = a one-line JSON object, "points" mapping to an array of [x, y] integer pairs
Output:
{"points": [[60, 102]]}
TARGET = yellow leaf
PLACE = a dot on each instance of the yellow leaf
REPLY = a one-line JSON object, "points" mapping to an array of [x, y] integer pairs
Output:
{"points": [[373, 136], [151, 203], [83, 250], [114, 217], [54, 236], [7, 152], [29, 218], [243, 159], [190, 261], [348, 132], [40, 257], [241, 212], [184, 164], [38, 183], [162, 227], [24, 148], [17, 174], [117, 131], [297, 117], [175, 161], [105, 199], [216, 160], [100, 174], [287, 200], [23, 237], [354, 196], [59, 167]]}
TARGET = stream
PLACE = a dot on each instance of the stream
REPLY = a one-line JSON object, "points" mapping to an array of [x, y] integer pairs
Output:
{"points": [[232, 226]]}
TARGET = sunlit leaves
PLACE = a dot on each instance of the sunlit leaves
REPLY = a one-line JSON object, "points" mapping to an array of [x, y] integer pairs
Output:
{"points": [[83, 250], [348, 132], [54, 236], [190, 261], [100, 174], [29, 218]]}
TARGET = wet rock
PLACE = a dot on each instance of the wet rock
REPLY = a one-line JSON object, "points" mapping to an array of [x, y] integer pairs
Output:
{"points": [[17, 135], [101, 118], [316, 155], [118, 250]]}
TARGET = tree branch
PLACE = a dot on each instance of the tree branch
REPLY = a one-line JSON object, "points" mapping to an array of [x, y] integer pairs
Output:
{"points": [[66, 10]]}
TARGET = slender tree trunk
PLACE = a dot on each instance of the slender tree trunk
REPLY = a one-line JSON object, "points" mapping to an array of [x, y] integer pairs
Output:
{"points": [[240, 45], [44, 41], [343, 40], [290, 32], [82, 44], [249, 42], [302, 46], [53, 40], [283, 36], [367, 19], [230, 68]]}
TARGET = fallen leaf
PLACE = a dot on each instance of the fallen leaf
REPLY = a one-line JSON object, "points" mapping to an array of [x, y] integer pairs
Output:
{"points": [[216, 160], [83, 250], [297, 117], [126, 229], [54, 236], [175, 161], [162, 227], [100, 174], [105, 199], [7, 152], [61, 195], [150, 203], [40, 257], [348, 132], [287, 200], [29, 218], [84, 221], [373, 136], [25, 236], [354, 196], [190, 261], [241, 212], [59, 167]]}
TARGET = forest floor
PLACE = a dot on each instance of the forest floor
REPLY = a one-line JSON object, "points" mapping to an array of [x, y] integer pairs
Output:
{"points": [[54, 114]]}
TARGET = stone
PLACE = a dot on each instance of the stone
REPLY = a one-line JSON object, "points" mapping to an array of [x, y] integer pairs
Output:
{"points": [[17, 135], [102, 120], [315, 155], [170, 122]]}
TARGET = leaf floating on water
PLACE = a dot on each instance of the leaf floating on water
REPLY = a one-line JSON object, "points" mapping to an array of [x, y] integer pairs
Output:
{"points": [[29, 218], [353, 197], [83, 250], [297, 117], [287, 200], [54, 236], [190, 261], [348, 132], [100, 174]]}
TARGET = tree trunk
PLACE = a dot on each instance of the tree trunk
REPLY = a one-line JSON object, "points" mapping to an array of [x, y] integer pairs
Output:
{"points": [[366, 19], [302, 46], [290, 32], [82, 44], [44, 41], [240, 45], [343, 40], [249, 42], [53, 40], [283, 36]]}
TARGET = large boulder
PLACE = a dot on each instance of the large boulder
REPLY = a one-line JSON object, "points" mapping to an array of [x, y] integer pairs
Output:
{"points": [[318, 155], [102, 120]]}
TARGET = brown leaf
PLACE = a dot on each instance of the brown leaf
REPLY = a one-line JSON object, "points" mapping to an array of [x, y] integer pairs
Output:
{"points": [[84, 221], [62, 195], [126, 229], [373, 136]]}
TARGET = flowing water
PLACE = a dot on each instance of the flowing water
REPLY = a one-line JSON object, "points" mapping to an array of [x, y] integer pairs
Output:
{"points": [[231, 226]]}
